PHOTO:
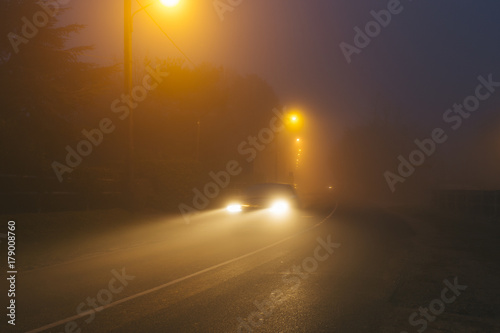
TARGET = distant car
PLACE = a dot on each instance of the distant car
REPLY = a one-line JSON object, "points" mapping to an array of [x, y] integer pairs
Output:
{"points": [[274, 198]]}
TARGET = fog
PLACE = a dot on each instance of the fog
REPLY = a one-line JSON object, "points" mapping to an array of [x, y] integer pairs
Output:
{"points": [[387, 123]]}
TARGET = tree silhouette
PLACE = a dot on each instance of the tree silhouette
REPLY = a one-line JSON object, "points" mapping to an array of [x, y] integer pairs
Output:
{"points": [[43, 84]]}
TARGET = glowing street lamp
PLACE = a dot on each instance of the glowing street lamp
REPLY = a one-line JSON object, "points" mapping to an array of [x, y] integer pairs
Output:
{"points": [[293, 121], [299, 152], [170, 3]]}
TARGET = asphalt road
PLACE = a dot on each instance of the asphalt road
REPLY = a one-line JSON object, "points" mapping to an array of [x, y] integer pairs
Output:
{"points": [[327, 270]]}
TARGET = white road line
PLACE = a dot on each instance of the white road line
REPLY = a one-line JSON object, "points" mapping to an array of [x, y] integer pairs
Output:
{"points": [[168, 284]]}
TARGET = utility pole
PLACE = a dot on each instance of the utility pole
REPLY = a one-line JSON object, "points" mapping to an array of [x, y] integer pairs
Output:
{"points": [[127, 65]]}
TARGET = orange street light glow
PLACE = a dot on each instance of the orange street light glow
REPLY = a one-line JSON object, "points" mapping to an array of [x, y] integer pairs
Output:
{"points": [[294, 121], [170, 3]]}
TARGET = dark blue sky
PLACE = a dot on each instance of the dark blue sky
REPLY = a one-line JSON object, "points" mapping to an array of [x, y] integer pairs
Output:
{"points": [[426, 59]]}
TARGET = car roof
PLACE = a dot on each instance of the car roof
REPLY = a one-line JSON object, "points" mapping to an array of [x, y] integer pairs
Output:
{"points": [[269, 189]]}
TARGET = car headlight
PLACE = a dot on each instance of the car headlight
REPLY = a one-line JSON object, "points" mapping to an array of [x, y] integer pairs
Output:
{"points": [[233, 208], [280, 207]]}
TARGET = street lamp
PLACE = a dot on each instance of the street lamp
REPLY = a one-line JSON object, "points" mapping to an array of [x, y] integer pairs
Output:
{"points": [[170, 3], [127, 66], [299, 152], [293, 122]]}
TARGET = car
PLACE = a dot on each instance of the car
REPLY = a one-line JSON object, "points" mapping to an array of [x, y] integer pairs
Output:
{"points": [[274, 198]]}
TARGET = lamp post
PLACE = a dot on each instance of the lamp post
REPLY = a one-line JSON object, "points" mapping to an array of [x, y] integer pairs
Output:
{"points": [[127, 69], [293, 123]]}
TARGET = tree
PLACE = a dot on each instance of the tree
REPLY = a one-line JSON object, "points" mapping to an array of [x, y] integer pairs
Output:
{"points": [[43, 84]]}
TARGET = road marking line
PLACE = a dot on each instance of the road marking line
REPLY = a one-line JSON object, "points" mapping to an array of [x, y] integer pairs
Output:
{"points": [[168, 284]]}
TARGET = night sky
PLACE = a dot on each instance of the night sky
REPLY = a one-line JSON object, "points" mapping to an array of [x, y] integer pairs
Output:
{"points": [[424, 60]]}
